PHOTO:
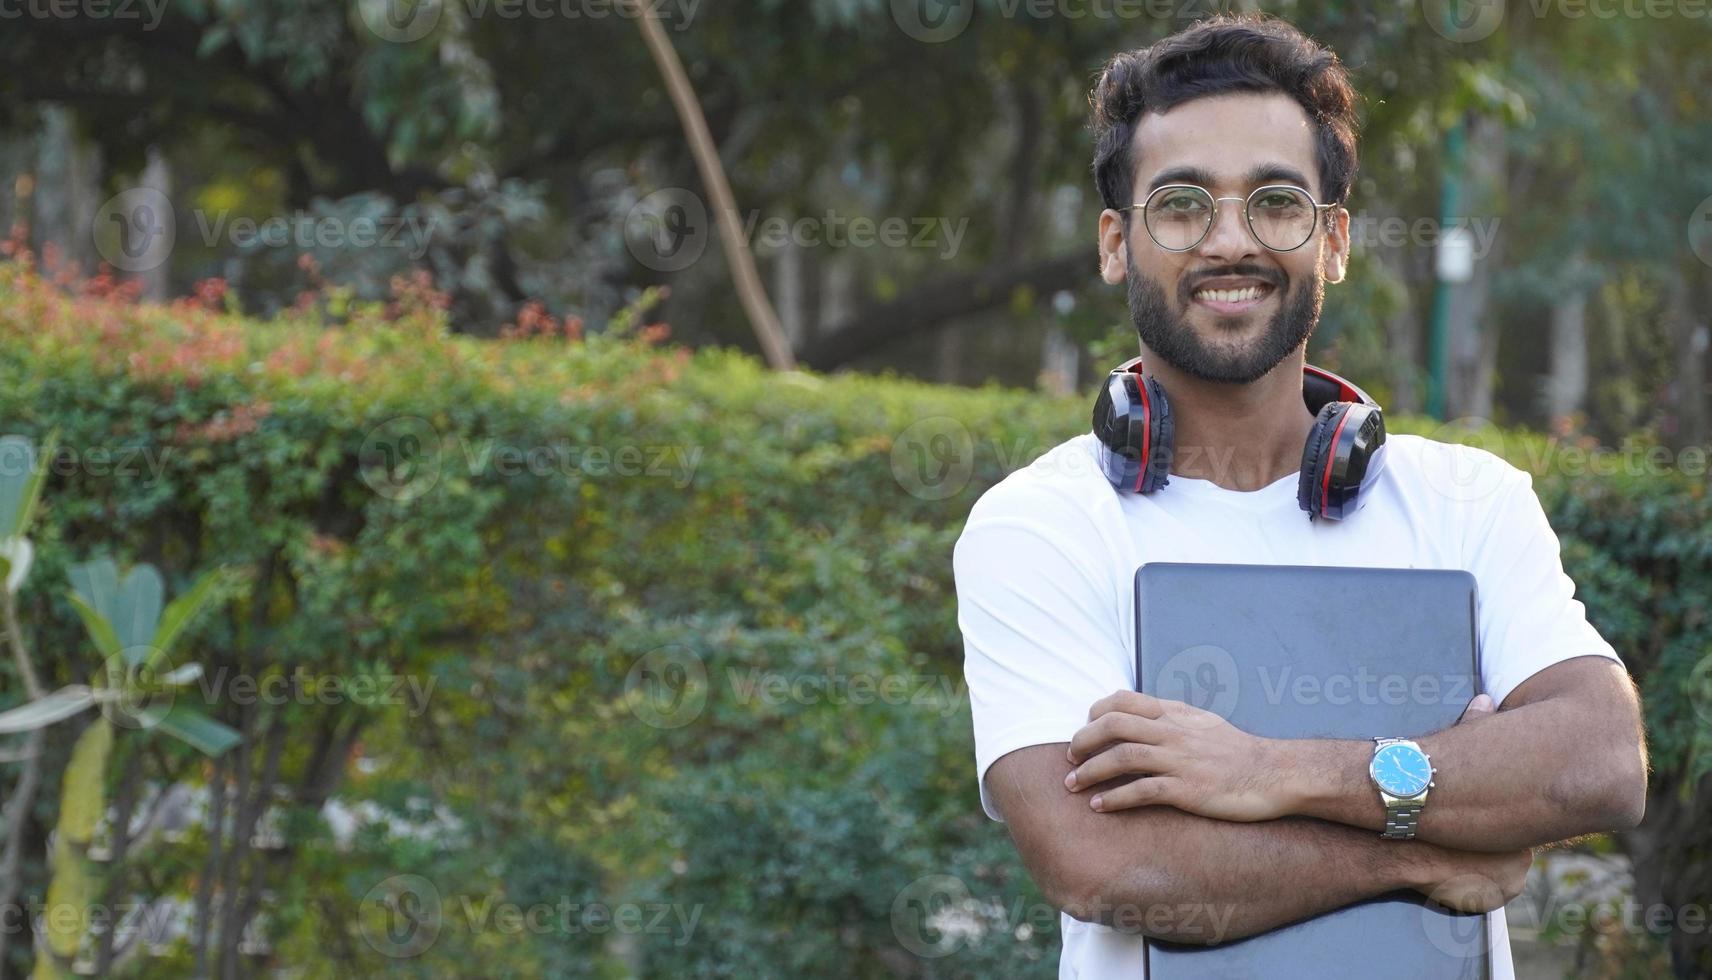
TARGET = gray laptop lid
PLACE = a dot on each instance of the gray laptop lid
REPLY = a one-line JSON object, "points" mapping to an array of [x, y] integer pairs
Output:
{"points": [[1296, 651]]}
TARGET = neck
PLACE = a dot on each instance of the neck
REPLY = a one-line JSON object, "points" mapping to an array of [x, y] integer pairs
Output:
{"points": [[1239, 437]]}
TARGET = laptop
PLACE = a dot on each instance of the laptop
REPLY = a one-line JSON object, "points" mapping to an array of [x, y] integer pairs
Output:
{"points": [[1297, 651]]}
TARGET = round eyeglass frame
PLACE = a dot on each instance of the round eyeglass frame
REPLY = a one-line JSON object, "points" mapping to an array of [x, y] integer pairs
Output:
{"points": [[1247, 219]]}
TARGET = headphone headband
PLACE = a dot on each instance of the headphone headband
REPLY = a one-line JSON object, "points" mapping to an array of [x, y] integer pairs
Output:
{"points": [[1344, 454]]}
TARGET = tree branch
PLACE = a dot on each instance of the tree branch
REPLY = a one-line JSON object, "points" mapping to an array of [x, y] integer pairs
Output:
{"points": [[929, 307]]}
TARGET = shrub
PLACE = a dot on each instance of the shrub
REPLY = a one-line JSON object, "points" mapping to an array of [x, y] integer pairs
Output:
{"points": [[635, 589]]}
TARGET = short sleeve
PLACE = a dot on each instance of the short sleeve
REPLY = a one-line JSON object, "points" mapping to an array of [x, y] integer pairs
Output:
{"points": [[1528, 616], [1042, 635]]}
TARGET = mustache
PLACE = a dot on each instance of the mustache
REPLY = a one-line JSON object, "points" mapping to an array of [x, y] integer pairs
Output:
{"points": [[1271, 277]]}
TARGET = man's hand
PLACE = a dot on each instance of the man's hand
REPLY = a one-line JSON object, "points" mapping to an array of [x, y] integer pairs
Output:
{"points": [[1186, 757], [1475, 881]]}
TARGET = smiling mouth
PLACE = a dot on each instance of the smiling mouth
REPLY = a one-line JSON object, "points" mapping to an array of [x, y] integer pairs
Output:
{"points": [[1234, 300]]}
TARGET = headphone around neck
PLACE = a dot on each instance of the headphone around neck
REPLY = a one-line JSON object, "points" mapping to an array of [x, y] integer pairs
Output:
{"points": [[1344, 455]]}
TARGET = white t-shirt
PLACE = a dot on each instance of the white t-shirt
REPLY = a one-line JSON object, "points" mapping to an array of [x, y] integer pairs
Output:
{"points": [[1045, 573]]}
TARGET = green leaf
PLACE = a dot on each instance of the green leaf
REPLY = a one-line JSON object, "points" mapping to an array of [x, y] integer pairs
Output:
{"points": [[44, 711], [33, 491], [139, 609], [184, 610], [17, 469], [198, 731], [97, 582], [100, 631], [16, 554]]}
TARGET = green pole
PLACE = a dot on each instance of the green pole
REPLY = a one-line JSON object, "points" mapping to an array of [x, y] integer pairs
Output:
{"points": [[1438, 346]]}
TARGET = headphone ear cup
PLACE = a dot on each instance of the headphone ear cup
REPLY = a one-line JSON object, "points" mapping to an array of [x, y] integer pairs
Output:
{"points": [[1316, 455], [1156, 468], [1118, 422]]}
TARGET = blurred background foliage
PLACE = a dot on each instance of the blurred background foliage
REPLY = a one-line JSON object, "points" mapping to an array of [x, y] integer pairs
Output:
{"points": [[316, 415], [526, 143]]}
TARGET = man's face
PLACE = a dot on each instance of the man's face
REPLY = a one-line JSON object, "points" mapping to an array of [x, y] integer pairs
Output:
{"points": [[1228, 309]]}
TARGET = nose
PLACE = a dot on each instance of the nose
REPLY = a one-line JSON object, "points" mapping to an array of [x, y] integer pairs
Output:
{"points": [[1229, 240]]}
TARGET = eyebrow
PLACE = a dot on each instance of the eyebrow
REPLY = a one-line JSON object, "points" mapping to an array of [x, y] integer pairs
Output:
{"points": [[1263, 173]]}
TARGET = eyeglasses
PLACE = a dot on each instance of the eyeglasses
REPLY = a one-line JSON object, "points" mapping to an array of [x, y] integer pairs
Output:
{"points": [[1178, 217]]}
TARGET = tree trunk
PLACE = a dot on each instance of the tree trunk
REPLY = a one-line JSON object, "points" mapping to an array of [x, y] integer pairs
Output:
{"points": [[1691, 334], [1566, 387], [762, 318], [1472, 334]]}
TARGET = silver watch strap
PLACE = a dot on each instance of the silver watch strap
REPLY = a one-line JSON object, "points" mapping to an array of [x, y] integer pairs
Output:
{"points": [[1400, 821]]}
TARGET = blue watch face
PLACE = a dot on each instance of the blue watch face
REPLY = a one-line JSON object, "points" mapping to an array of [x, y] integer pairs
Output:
{"points": [[1401, 770]]}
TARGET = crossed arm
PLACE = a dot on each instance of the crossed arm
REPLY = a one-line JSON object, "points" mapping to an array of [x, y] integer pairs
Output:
{"points": [[1259, 832]]}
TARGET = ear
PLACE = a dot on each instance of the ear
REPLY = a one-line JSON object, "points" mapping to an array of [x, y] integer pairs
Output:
{"points": [[1114, 246], [1334, 258]]}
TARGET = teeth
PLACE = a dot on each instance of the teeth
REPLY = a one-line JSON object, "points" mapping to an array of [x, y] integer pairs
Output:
{"points": [[1231, 295]]}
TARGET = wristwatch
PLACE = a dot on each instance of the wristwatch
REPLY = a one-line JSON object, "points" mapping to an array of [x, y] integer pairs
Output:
{"points": [[1403, 774]]}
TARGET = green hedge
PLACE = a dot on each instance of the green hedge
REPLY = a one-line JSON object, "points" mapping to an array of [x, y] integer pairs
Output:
{"points": [[639, 660]]}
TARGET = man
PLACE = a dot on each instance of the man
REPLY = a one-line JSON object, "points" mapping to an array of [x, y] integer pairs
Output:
{"points": [[1140, 817]]}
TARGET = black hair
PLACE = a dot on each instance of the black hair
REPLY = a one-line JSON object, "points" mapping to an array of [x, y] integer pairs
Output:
{"points": [[1219, 55]]}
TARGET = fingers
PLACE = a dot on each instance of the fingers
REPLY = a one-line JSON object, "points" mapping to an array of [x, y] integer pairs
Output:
{"points": [[1481, 705], [1109, 729], [1123, 759], [1147, 791], [1130, 703]]}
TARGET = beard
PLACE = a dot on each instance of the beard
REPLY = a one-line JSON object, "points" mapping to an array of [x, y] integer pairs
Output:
{"points": [[1167, 333]]}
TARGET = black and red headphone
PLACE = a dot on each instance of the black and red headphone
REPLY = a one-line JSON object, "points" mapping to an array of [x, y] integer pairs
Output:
{"points": [[1344, 455]]}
